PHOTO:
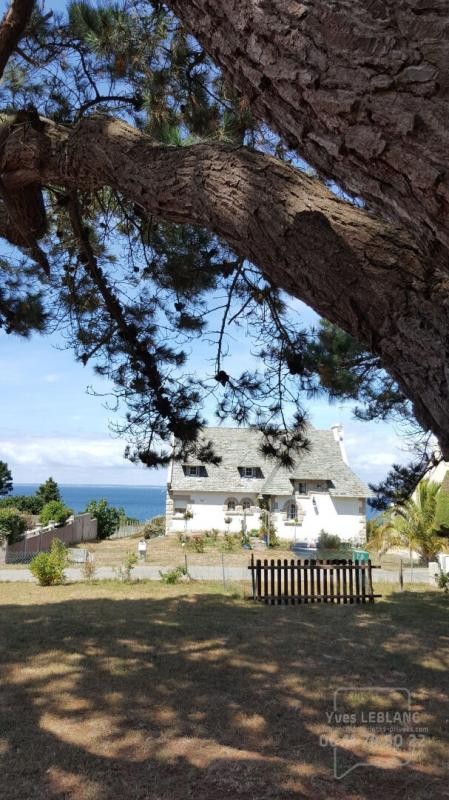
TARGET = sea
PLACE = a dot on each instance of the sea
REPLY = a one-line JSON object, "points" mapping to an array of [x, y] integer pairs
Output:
{"points": [[139, 502]]}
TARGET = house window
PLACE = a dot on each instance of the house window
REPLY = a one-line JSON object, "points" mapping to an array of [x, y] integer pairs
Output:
{"points": [[194, 471], [249, 472], [246, 504], [301, 488], [291, 511], [231, 504]]}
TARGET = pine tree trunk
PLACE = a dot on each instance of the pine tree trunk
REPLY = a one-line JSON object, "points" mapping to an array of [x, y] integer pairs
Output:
{"points": [[358, 88], [367, 276]]}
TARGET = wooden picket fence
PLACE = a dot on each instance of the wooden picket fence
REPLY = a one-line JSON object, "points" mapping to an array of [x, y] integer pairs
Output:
{"points": [[310, 581]]}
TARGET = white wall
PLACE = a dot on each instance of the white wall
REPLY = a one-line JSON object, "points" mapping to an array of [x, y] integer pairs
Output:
{"points": [[342, 516]]}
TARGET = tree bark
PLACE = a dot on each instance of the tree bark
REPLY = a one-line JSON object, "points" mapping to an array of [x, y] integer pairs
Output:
{"points": [[359, 89], [368, 277], [12, 28]]}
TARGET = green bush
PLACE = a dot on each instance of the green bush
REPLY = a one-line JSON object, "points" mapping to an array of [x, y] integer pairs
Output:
{"points": [[443, 581], [173, 575], [328, 541], [29, 504], [108, 517], [13, 524], [154, 527], [54, 511], [48, 568]]}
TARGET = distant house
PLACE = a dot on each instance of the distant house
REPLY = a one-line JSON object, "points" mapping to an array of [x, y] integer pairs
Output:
{"points": [[319, 493]]}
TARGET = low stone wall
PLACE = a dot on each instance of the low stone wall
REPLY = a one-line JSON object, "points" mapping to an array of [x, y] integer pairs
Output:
{"points": [[82, 529]]}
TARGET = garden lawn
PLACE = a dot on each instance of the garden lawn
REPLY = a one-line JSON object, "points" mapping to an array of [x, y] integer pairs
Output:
{"points": [[167, 551], [112, 691]]}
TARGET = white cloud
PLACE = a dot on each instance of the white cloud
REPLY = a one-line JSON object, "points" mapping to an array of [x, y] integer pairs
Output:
{"points": [[52, 377], [73, 460], [56, 451], [372, 449]]}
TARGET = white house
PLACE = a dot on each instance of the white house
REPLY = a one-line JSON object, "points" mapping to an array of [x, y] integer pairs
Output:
{"points": [[319, 493]]}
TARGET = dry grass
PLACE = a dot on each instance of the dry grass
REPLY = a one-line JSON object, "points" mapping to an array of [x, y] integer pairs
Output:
{"points": [[167, 551], [115, 691]]}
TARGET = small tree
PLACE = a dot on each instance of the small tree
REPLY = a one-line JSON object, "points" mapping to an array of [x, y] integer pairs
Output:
{"points": [[410, 525], [5, 478], [108, 517], [13, 524], [48, 491], [54, 511]]}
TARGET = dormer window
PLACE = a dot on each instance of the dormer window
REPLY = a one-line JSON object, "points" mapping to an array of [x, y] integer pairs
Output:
{"points": [[250, 472], [194, 471]]}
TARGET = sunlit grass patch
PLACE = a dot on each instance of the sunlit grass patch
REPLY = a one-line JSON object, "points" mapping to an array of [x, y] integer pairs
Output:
{"points": [[148, 690]]}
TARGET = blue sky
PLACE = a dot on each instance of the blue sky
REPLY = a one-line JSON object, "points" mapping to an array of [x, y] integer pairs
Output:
{"points": [[49, 424]]}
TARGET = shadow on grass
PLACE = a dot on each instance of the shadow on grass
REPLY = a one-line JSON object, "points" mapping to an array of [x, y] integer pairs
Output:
{"points": [[205, 696]]}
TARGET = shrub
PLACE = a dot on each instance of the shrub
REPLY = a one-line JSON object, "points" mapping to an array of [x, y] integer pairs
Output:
{"points": [[211, 537], [230, 542], [268, 530], [13, 524], [89, 569], [55, 511], [245, 539], [108, 517], [272, 537], [29, 504], [123, 572], [154, 527], [48, 568], [173, 575], [328, 541], [443, 581], [197, 543]]}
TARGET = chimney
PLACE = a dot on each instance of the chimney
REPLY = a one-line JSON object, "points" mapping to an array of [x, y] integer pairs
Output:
{"points": [[337, 430]]}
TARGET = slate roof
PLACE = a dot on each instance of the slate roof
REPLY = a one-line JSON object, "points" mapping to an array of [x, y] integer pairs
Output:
{"points": [[239, 447]]}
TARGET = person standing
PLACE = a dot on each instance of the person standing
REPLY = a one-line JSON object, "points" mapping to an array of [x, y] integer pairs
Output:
{"points": [[142, 549]]}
